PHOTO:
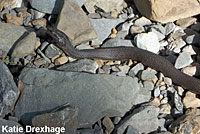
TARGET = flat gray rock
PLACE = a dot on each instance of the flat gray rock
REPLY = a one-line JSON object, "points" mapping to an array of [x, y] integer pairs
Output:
{"points": [[47, 6], [115, 42], [183, 60], [143, 118], [9, 35], [95, 95], [103, 27], [83, 65], [8, 91]]}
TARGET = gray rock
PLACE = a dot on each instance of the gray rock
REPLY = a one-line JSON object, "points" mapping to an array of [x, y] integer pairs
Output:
{"points": [[64, 117], [148, 85], [156, 92], [9, 35], [115, 42], [10, 124], [147, 75], [136, 29], [183, 60], [148, 41], [106, 25], [160, 35], [143, 118], [142, 22], [47, 6], [52, 51], [159, 28], [25, 46], [125, 26], [105, 69], [8, 91], [177, 101], [193, 37], [122, 34], [134, 71], [69, 22], [94, 95], [94, 16], [83, 65], [169, 27], [176, 45], [162, 125], [131, 130]]}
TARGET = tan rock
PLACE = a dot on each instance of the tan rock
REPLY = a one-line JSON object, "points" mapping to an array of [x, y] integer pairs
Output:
{"points": [[10, 4], [186, 22], [14, 19], [108, 124], [42, 22], [191, 70], [75, 23], [165, 11], [61, 60], [190, 100], [188, 123]]}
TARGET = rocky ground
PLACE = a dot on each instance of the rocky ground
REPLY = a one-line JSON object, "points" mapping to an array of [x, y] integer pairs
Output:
{"points": [[40, 85]]}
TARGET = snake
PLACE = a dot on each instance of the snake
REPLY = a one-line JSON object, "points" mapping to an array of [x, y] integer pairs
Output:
{"points": [[147, 58]]}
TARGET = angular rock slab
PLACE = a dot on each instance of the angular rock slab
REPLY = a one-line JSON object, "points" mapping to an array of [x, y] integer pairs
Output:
{"points": [[8, 91], [95, 95], [168, 11], [9, 35], [75, 23]]}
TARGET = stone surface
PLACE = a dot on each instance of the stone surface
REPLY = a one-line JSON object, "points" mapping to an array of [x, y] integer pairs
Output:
{"points": [[69, 22], [143, 118], [65, 116], [46, 6], [8, 91], [9, 34], [168, 12], [14, 19], [10, 124], [148, 41], [94, 95], [103, 27], [183, 60], [131, 130], [83, 65], [191, 101], [135, 70], [142, 22], [10, 4], [107, 123], [117, 42], [186, 22], [105, 5], [25, 46], [188, 123]]}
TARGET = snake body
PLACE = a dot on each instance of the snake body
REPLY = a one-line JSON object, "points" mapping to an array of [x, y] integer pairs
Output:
{"points": [[150, 59]]}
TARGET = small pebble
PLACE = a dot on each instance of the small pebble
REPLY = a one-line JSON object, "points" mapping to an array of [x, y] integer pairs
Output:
{"points": [[143, 21], [190, 100], [14, 19], [191, 70], [183, 60], [156, 92], [61, 60]]}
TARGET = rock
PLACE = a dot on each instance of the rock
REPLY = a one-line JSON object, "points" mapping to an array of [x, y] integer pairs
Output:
{"points": [[96, 93], [189, 49], [14, 20], [148, 85], [156, 92], [176, 45], [51, 50], [188, 123], [10, 124], [66, 118], [36, 14], [193, 37], [123, 70], [125, 26], [143, 118], [8, 91], [143, 21], [136, 29], [177, 101], [164, 13], [191, 70], [78, 32], [169, 27], [183, 60], [134, 71], [147, 75], [10, 4], [168, 81], [106, 25], [160, 35], [186, 22], [162, 125], [109, 126], [165, 109], [105, 5], [41, 22], [117, 42], [83, 65], [148, 41], [191, 101], [9, 34], [80, 2], [61, 60], [131, 130], [46, 6], [25, 46]]}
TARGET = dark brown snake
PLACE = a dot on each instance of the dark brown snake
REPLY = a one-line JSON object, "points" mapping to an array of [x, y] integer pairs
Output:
{"points": [[150, 59]]}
